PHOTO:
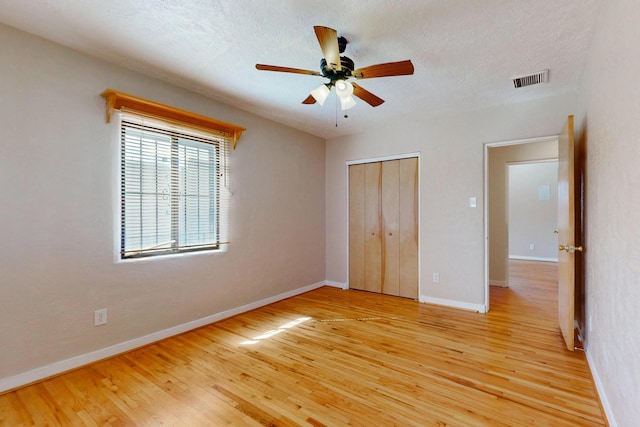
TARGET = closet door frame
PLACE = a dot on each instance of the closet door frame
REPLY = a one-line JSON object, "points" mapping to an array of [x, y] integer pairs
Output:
{"points": [[374, 160]]}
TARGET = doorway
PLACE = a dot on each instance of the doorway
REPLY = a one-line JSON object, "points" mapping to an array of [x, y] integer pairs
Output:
{"points": [[497, 158]]}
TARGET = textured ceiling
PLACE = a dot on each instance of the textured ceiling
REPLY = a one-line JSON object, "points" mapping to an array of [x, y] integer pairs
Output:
{"points": [[465, 52]]}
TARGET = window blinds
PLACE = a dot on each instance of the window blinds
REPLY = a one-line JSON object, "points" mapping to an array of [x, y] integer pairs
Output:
{"points": [[174, 194]]}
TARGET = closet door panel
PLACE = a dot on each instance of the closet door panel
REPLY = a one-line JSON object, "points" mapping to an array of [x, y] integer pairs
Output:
{"points": [[356, 227], [373, 238], [391, 227], [408, 205]]}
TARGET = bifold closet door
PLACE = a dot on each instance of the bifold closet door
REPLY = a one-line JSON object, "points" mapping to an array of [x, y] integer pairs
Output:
{"points": [[390, 188], [356, 227], [383, 227], [365, 242], [409, 228]]}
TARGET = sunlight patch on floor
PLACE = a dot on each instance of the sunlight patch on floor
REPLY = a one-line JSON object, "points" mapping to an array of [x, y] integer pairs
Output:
{"points": [[273, 332]]}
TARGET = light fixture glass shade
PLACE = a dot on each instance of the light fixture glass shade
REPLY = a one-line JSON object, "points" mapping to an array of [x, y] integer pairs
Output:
{"points": [[348, 102], [344, 89], [321, 93]]}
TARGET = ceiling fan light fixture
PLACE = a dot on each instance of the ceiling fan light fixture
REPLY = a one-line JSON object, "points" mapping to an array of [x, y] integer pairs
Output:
{"points": [[321, 93], [339, 69], [348, 102], [344, 89]]}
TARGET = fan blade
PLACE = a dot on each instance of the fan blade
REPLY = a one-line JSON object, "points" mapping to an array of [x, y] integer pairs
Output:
{"points": [[388, 69], [328, 39], [286, 69], [366, 96], [309, 100]]}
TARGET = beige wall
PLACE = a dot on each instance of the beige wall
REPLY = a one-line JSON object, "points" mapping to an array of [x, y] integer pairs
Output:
{"points": [[499, 157], [609, 126], [451, 171], [59, 213]]}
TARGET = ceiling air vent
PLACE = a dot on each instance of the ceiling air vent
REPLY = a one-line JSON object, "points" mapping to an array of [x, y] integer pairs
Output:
{"points": [[531, 79]]}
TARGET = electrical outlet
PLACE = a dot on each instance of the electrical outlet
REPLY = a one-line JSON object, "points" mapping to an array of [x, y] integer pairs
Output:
{"points": [[532, 247], [436, 277], [590, 324], [100, 317]]}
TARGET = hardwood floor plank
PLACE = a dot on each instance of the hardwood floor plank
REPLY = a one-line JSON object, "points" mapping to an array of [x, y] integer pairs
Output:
{"points": [[332, 357]]}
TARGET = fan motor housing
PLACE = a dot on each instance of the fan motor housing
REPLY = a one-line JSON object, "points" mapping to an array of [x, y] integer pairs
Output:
{"points": [[332, 74]]}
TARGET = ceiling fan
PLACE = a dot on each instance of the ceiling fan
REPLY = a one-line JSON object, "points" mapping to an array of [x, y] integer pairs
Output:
{"points": [[339, 69]]}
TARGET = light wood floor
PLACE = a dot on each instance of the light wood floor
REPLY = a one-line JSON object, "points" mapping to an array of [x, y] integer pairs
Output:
{"points": [[339, 358]]}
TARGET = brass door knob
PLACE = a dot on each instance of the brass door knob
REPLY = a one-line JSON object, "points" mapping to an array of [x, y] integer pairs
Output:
{"points": [[570, 248]]}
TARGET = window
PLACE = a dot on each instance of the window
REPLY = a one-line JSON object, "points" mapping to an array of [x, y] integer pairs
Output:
{"points": [[173, 179], [172, 185]]}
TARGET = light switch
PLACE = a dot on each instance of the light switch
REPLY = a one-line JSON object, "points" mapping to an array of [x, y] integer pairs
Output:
{"points": [[472, 202]]}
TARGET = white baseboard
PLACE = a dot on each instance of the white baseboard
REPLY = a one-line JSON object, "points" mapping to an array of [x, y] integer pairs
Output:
{"points": [[499, 283], [533, 258], [336, 284], [600, 390], [19, 380], [480, 308]]}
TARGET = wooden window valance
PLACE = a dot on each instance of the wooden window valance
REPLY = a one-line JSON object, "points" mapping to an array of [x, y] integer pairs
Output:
{"points": [[118, 100]]}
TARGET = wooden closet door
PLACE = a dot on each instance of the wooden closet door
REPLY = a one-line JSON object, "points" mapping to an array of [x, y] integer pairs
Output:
{"points": [[356, 227], [383, 227], [408, 208], [372, 227], [391, 227]]}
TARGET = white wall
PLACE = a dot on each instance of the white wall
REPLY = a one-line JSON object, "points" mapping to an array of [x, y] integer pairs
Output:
{"points": [[59, 213], [609, 126], [532, 219], [451, 171]]}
